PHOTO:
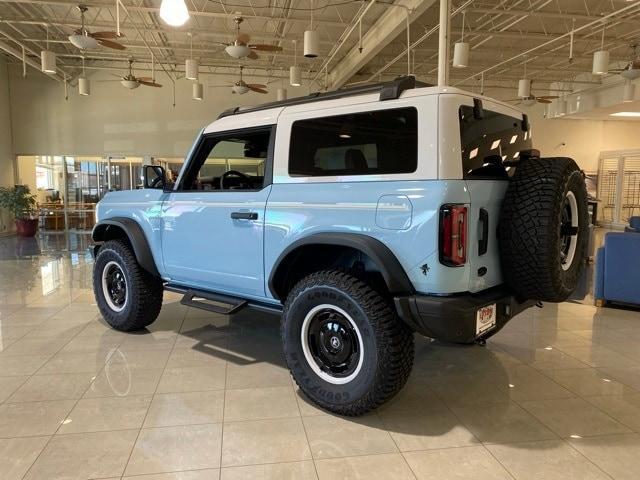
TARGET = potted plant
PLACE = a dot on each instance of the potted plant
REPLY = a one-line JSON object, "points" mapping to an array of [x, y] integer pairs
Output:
{"points": [[19, 201]]}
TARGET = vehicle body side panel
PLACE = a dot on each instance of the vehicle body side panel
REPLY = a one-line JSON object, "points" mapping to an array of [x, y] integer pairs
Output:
{"points": [[142, 206]]}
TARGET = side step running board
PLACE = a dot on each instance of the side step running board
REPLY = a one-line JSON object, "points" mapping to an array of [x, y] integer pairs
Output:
{"points": [[224, 304]]}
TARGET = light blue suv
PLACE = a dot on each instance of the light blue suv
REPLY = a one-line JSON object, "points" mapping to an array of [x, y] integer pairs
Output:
{"points": [[363, 215]]}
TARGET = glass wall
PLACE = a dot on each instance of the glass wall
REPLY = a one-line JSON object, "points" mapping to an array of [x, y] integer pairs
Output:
{"points": [[67, 188]]}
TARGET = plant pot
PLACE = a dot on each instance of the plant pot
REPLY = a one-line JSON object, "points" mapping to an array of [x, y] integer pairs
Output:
{"points": [[26, 227]]}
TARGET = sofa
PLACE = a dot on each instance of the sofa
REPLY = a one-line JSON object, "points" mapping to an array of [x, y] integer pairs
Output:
{"points": [[618, 269], [634, 225]]}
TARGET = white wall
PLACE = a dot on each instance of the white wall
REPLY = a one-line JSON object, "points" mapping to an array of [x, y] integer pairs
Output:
{"points": [[582, 140], [114, 120], [6, 146]]}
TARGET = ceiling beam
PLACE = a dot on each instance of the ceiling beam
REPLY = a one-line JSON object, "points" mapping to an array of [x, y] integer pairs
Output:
{"points": [[542, 14], [388, 26]]}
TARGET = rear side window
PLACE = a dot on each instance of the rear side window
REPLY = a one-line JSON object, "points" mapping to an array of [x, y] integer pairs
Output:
{"points": [[490, 143], [367, 143]]}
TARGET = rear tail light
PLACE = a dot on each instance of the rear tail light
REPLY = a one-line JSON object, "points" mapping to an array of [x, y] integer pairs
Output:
{"points": [[453, 235]]}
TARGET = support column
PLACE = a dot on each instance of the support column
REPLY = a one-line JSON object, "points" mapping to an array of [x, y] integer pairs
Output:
{"points": [[443, 46]]}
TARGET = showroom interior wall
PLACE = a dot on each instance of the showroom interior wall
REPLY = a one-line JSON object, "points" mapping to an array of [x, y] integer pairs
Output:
{"points": [[6, 143], [114, 120]]}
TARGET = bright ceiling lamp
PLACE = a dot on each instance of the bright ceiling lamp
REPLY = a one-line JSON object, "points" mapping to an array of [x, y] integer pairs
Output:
{"points": [[174, 12], [601, 59], [197, 91], [625, 114], [311, 39], [461, 50], [629, 92]]}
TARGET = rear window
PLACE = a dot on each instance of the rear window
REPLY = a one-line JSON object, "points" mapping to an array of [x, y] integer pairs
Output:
{"points": [[367, 143], [490, 143]]}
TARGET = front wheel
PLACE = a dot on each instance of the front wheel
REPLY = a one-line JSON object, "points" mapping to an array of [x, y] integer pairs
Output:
{"points": [[345, 346], [129, 297]]}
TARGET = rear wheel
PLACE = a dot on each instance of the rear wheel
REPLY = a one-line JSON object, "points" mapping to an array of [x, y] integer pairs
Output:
{"points": [[129, 297], [345, 346]]}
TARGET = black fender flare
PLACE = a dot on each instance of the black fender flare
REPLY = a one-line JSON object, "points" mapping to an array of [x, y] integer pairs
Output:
{"points": [[136, 237], [392, 271]]}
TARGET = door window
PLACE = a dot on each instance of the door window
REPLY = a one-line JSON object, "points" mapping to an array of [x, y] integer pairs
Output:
{"points": [[230, 161]]}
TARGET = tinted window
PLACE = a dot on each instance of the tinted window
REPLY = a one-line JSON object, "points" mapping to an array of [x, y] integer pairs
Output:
{"points": [[489, 142], [369, 143]]}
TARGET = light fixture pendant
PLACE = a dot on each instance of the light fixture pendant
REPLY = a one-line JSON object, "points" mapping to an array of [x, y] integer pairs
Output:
{"points": [[48, 61], [174, 12], [294, 76], [281, 94], [197, 91], [561, 107], [191, 68], [83, 42], [524, 88], [601, 62], [84, 87], [311, 43], [237, 51], [629, 92], [461, 55]]}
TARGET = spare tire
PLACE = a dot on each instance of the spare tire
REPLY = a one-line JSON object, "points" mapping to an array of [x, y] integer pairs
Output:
{"points": [[543, 229]]}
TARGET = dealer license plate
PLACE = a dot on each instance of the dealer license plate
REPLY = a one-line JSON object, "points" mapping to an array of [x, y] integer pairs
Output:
{"points": [[485, 319]]}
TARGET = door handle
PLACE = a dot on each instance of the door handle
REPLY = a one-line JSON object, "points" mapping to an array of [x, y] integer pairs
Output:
{"points": [[244, 215]]}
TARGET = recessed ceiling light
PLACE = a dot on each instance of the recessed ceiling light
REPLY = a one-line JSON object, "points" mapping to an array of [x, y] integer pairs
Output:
{"points": [[625, 114]]}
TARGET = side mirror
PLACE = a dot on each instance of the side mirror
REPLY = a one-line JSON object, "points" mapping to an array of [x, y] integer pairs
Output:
{"points": [[154, 176]]}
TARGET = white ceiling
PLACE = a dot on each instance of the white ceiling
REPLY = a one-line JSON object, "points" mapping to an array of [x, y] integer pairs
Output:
{"points": [[499, 31]]}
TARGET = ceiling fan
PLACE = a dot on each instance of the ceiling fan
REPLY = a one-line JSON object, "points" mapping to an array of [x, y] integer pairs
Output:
{"points": [[130, 81], [631, 71], [241, 47], [240, 87], [533, 99], [85, 40]]}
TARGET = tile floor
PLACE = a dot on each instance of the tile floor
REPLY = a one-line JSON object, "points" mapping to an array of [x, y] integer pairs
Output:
{"points": [[555, 395]]}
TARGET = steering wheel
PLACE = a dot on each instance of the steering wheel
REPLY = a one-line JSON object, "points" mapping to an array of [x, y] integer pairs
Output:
{"points": [[233, 173]]}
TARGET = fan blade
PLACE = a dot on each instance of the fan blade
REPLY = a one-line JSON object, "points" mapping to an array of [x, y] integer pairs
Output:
{"points": [[254, 89], [256, 85], [253, 55], [265, 48], [149, 84], [547, 97], [243, 38], [110, 44], [104, 35], [145, 79], [542, 100]]}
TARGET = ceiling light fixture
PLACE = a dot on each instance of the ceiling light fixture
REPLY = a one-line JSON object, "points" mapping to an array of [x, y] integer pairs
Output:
{"points": [[461, 50], [174, 12], [295, 78], [629, 92], [84, 86], [281, 94], [311, 39], [48, 58], [197, 91], [524, 88], [83, 42], [601, 58], [191, 65]]}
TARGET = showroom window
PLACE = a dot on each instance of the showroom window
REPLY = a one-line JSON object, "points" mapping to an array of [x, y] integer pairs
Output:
{"points": [[368, 143], [490, 143], [229, 162]]}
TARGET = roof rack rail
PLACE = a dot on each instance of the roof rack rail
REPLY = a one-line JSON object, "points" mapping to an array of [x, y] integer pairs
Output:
{"points": [[388, 91]]}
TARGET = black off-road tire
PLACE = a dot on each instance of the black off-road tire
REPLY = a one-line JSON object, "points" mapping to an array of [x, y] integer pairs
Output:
{"points": [[529, 232], [387, 343], [143, 294]]}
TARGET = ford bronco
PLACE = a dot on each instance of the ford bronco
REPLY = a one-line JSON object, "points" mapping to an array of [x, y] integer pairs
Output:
{"points": [[362, 215]]}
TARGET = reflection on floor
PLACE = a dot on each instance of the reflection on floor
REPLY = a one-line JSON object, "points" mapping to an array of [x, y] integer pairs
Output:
{"points": [[555, 395]]}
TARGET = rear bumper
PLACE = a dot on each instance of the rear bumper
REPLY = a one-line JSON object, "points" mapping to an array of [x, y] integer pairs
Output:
{"points": [[453, 318]]}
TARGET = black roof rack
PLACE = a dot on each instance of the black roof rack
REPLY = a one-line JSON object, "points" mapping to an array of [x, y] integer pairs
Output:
{"points": [[388, 91]]}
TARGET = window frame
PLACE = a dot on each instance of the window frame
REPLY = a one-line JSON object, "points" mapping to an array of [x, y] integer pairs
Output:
{"points": [[201, 148], [358, 176]]}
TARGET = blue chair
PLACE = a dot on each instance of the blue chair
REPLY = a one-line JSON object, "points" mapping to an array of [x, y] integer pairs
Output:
{"points": [[634, 225], [618, 269]]}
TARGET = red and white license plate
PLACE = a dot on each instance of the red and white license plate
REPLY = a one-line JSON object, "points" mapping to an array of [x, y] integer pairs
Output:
{"points": [[485, 319]]}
